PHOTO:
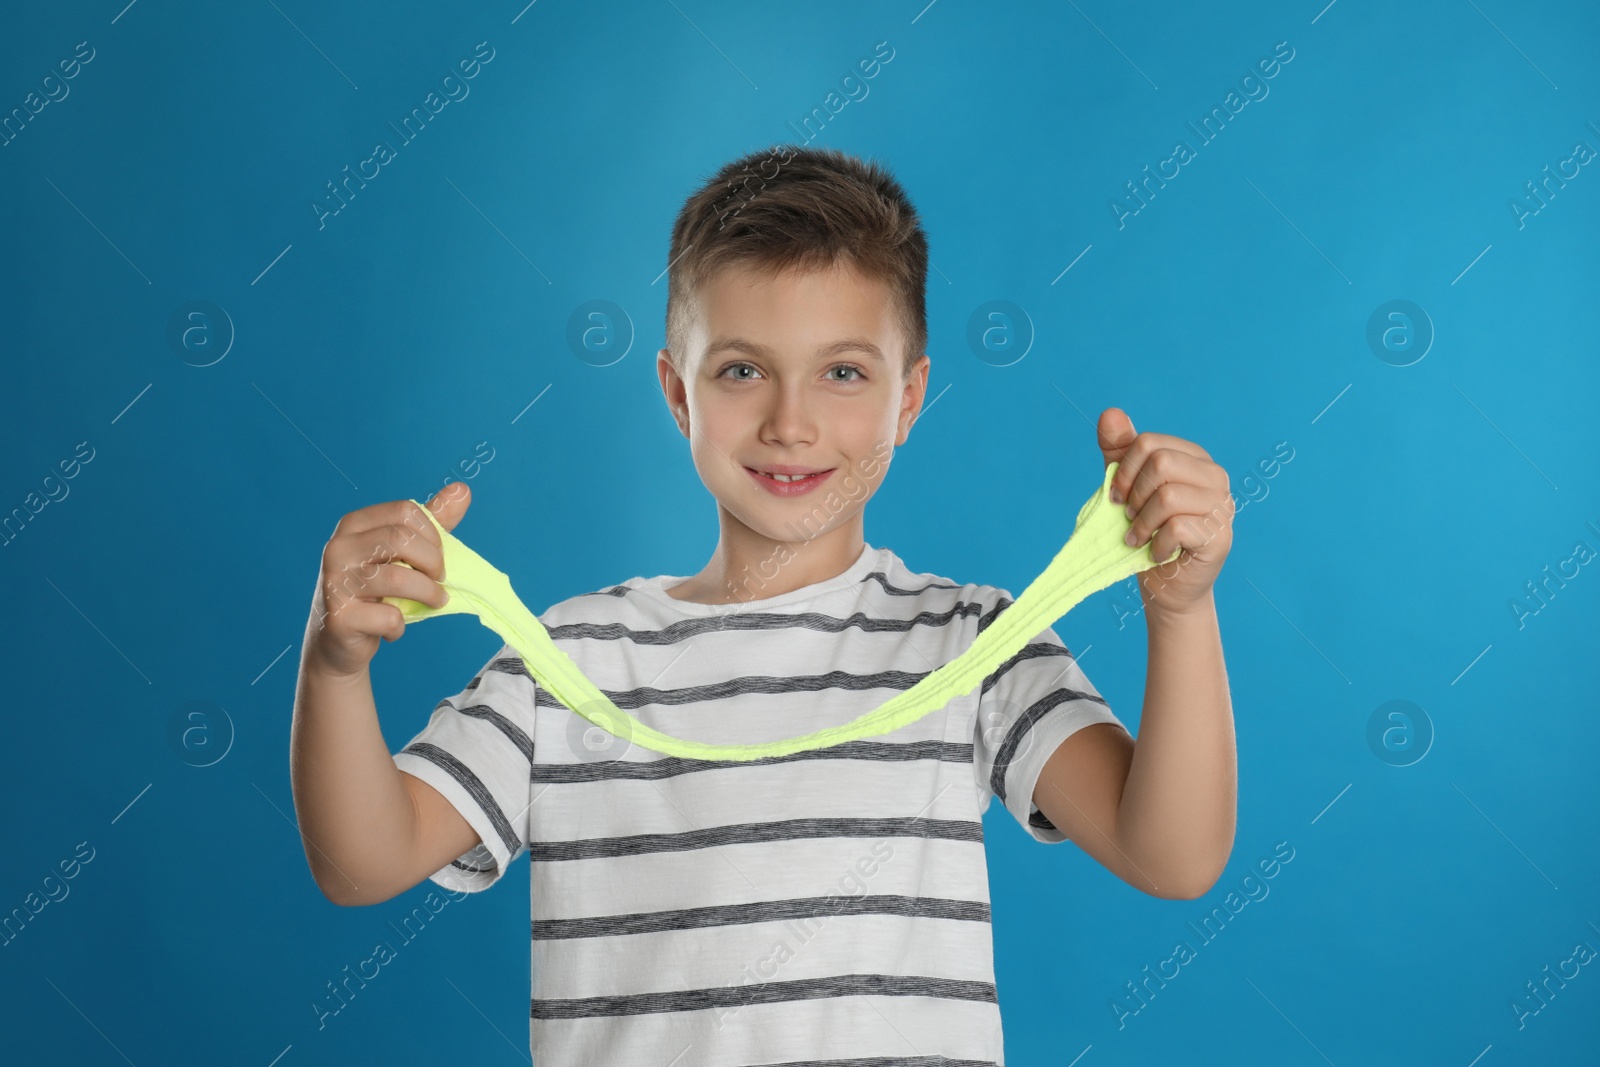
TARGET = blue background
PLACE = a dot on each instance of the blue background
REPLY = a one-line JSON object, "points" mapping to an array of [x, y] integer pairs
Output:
{"points": [[370, 356]]}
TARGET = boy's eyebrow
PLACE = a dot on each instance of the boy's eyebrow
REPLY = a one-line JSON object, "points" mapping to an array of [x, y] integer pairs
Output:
{"points": [[833, 348]]}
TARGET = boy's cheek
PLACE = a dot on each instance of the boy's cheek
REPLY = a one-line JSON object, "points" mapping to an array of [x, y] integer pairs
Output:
{"points": [[852, 486]]}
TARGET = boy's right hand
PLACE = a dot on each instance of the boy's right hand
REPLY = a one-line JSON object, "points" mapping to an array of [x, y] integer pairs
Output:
{"points": [[358, 570]]}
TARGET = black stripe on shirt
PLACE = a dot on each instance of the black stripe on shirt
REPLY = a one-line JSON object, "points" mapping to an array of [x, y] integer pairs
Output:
{"points": [[888, 1061], [819, 622], [673, 766], [894, 590], [988, 617], [1019, 730], [843, 985], [753, 833], [492, 716], [504, 665], [474, 787], [1032, 650], [651, 922]]}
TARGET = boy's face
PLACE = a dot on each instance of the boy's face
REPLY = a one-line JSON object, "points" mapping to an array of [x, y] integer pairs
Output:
{"points": [[781, 371]]}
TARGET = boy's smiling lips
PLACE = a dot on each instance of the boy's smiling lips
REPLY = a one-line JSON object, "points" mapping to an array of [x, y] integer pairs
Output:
{"points": [[795, 488], [784, 468]]}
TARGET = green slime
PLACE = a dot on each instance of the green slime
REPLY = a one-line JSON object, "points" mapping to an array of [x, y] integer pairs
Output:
{"points": [[1093, 557]]}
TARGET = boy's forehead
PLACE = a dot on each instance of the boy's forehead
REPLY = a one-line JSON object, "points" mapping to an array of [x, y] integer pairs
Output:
{"points": [[796, 306]]}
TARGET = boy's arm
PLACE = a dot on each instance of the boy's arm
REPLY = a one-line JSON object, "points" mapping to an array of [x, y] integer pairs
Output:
{"points": [[370, 830], [1159, 813]]}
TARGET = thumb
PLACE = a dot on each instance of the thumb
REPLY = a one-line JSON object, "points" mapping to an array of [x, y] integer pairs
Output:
{"points": [[450, 503], [1115, 433]]}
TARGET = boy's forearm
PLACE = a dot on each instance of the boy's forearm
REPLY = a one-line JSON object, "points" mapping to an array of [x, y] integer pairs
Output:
{"points": [[1177, 814], [354, 811]]}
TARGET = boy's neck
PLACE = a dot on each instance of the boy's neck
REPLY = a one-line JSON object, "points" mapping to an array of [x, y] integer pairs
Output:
{"points": [[749, 566]]}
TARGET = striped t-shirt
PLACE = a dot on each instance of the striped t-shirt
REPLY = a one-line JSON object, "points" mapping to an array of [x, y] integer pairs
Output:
{"points": [[824, 906]]}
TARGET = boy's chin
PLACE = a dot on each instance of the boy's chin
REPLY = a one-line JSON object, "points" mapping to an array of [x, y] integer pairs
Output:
{"points": [[774, 520]]}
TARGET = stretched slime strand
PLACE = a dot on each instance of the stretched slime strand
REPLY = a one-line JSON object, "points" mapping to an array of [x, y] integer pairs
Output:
{"points": [[1093, 557]]}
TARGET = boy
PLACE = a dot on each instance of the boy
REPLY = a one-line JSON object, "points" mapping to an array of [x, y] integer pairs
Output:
{"points": [[829, 905]]}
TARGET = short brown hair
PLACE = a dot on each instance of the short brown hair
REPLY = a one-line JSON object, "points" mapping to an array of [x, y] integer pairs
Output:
{"points": [[791, 206]]}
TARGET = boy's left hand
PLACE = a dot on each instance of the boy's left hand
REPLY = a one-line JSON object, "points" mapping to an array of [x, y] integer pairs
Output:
{"points": [[1176, 492]]}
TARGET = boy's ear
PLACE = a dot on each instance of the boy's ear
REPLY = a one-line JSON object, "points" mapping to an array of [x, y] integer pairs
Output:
{"points": [[916, 389], [670, 384]]}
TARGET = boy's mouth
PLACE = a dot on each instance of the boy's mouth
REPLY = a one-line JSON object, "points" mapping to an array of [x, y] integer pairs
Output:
{"points": [[789, 484]]}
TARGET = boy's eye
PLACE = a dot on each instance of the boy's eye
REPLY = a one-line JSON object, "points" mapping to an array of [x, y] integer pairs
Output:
{"points": [[735, 367]]}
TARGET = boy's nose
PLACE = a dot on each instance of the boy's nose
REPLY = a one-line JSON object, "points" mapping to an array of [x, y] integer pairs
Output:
{"points": [[790, 417]]}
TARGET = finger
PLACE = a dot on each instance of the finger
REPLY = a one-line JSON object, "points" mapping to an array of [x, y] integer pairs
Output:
{"points": [[1167, 538], [362, 554], [1137, 453], [344, 593], [395, 579], [1169, 499], [401, 515], [423, 554], [375, 619], [1114, 432], [1171, 465], [362, 549], [1192, 533], [388, 579], [449, 504], [450, 492], [397, 629]]}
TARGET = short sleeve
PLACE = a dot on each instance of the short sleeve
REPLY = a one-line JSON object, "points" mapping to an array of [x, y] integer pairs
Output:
{"points": [[477, 751], [1030, 704]]}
